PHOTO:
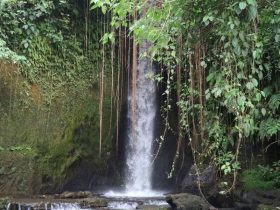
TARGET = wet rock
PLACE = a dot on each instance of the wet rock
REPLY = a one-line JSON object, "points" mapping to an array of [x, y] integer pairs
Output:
{"points": [[242, 206], [257, 197], [186, 201], [267, 207], [226, 208], [79, 194], [140, 203], [221, 201], [16, 173], [153, 207], [94, 202], [207, 180]]}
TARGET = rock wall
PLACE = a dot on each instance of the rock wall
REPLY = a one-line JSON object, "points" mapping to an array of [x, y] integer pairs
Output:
{"points": [[42, 142]]}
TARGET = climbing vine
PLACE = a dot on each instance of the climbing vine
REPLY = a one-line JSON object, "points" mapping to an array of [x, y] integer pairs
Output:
{"points": [[221, 58]]}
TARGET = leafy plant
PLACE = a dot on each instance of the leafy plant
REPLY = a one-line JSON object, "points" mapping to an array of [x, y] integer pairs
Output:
{"points": [[269, 127], [274, 102], [253, 179], [218, 61], [263, 177], [19, 148]]}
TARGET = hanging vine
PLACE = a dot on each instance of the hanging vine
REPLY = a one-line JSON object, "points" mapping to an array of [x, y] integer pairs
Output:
{"points": [[214, 57]]}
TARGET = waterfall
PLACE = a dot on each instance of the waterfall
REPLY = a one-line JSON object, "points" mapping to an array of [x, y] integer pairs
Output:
{"points": [[141, 115], [141, 135]]}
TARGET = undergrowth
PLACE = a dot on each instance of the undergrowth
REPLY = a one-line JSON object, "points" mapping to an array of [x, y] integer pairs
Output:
{"points": [[262, 177]]}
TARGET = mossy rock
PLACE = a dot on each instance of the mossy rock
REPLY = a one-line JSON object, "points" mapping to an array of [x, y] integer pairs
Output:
{"points": [[186, 201], [18, 173], [266, 207], [96, 202], [153, 207], [79, 194]]}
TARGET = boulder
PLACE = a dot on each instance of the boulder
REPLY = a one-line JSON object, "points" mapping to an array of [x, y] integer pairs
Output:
{"points": [[226, 208], [186, 201], [152, 207], [258, 197], [207, 178], [96, 202], [242, 206], [267, 207], [75, 195]]}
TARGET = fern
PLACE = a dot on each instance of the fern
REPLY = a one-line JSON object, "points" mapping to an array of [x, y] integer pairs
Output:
{"points": [[274, 102], [269, 127]]}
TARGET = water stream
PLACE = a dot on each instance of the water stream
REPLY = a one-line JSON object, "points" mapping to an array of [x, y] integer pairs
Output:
{"points": [[113, 204]]}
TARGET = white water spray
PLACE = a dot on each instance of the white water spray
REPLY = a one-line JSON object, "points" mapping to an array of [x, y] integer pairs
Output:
{"points": [[139, 148], [140, 139]]}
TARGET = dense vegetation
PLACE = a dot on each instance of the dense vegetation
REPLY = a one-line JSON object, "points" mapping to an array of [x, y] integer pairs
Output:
{"points": [[220, 65], [218, 61], [50, 60]]}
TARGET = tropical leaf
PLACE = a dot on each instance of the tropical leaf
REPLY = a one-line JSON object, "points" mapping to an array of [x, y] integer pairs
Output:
{"points": [[269, 127], [274, 102]]}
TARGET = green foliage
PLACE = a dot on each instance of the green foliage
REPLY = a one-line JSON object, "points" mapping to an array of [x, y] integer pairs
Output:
{"points": [[274, 102], [7, 54], [41, 31], [269, 127], [49, 99], [226, 162], [263, 177], [3, 203], [232, 43], [252, 179]]}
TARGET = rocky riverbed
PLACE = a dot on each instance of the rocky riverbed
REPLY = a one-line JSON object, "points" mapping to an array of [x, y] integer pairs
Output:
{"points": [[255, 200]]}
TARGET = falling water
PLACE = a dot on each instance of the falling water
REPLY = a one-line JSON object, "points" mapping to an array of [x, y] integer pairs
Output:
{"points": [[141, 115], [139, 148]]}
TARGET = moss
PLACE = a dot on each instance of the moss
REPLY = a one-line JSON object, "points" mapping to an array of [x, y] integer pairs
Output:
{"points": [[59, 135], [51, 106], [17, 172], [252, 179]]}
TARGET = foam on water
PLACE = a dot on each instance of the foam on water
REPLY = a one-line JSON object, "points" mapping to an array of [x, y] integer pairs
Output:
{"points": [[132, 204], [135, 194], [65, 206], [122, 205], [48, 206]]}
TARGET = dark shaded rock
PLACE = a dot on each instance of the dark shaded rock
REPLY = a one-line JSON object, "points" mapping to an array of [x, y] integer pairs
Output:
{"points": [[85, 175], [226, 208], [79, 194], [153, 207], [270, 198], [94, 202], [221, 201], [140, 203], [186, 201], [242, 206], [207, 180]]}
